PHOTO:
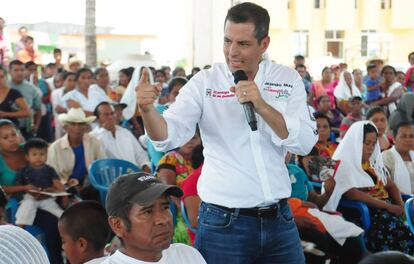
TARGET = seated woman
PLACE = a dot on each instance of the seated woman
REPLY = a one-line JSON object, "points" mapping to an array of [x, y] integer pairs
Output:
{"points": [[379, 118], [173, 169], [190, 198], [362, 176], [331, 233], [175, 165], [335, 116], [399, 160], [12, 158], [72, 154], [345, 89], [318, 163]]}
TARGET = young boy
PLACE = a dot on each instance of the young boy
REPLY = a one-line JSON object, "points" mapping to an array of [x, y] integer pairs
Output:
{"points": [[373, 84], [41, 176], [84, 230], [355, 114]]}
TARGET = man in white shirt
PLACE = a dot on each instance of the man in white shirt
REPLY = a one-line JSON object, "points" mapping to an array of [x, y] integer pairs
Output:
{"points": [[139, 213], [244, 184], [118, 142]]}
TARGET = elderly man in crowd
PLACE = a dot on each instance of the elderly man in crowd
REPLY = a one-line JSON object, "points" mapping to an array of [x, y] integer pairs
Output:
{"points": [[117, 141]]}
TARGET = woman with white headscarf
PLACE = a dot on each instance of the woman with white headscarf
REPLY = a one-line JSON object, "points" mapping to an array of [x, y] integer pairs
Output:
{"points": [[17, 246], [346, 89], [361, 176]]}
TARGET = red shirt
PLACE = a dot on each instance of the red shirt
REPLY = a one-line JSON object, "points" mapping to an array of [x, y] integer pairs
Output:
{"points": [[189, 187]]}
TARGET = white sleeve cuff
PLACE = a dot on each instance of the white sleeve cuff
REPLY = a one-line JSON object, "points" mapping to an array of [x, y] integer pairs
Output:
{"points": [[293, 127]]}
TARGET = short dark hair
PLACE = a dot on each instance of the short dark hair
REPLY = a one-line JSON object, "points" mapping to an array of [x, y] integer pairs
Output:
{"points": [[325, 69], [28, 38], [369, 128], [400, 72], [410, 54], [98, 71], [176, 80], [321, 97], [127, 71], [123, 214], [34, 143], [318, 115], [87, 219], [50, 65], [67, 74], [15, 62], [374, 110], [299, 57], [96, 110], [162, 72], [6, 122], [403, 123], [300, 66], [249, 12], [388, 67], [82, 70], [57, 50], [371, 67], [22, 27], [29, 64]]}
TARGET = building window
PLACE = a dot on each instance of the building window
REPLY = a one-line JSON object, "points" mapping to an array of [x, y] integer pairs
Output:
{"points": [[301, 42], [382, 4], [390, 4], [370, 46], [334, 43], [317, 4], [356, 4]]}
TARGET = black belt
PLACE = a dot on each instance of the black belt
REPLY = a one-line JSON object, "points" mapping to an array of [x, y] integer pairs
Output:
{"points": [[266, 211]]}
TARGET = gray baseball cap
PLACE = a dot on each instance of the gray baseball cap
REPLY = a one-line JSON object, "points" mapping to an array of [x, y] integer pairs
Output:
{"points": [[141, 188]]}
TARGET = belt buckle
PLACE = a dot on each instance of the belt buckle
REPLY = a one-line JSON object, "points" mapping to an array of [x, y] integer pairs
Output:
{"points": [[264, 211]]}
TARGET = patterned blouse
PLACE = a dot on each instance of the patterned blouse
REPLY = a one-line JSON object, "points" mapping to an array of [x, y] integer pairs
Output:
{"points": [[175, 161], [378, 191]]}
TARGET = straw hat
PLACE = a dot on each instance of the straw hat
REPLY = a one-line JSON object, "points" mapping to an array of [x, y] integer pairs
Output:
{"points": [[76, 115]]}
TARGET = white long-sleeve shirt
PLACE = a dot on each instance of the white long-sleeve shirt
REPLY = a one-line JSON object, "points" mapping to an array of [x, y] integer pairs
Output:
{"points": [[242, 168], [123, 146]]}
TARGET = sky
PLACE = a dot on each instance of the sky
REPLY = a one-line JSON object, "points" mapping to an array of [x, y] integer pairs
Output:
{"points": [[162, 18]]}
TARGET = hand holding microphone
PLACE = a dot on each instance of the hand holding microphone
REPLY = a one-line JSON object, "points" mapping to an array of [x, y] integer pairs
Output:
{"points": [[248, 95]]}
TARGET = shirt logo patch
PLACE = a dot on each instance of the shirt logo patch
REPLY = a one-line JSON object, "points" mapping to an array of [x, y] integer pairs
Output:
{"points": [[279, 93], [219, 94]]}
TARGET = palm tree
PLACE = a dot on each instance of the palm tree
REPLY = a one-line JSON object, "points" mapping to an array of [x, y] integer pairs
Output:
{"points": [[90, 34]]}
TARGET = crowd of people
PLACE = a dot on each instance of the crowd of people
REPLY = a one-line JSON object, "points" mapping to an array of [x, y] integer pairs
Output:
{"points": [[349, 135]]}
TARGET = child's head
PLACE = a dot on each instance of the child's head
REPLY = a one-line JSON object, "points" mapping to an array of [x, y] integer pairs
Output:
{"points": [[355, 105], [372, 70], [84, 230], [36, 152]]}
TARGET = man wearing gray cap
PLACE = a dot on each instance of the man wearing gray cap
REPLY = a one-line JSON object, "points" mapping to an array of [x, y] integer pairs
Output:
{"points": [[139, 213]]}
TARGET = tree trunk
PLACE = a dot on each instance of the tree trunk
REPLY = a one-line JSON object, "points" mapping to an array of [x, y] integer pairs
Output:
{"points": [[90, 34]]}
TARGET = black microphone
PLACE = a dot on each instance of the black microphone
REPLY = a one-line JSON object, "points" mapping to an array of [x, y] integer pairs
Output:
{"points": [[248, 106]]}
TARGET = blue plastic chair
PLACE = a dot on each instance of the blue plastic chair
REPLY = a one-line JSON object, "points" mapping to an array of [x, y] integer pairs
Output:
{"points": [[405, 197], [103, 172], [185, 216], [363, 210], [35, 231], [409, 213]]}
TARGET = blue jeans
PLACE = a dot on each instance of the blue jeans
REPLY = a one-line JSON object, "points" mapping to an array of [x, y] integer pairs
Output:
{"points": [[228, 237]]}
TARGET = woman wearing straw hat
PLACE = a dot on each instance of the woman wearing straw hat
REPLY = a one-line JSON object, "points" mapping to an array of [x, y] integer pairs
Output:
{"points": [[72, 154]]}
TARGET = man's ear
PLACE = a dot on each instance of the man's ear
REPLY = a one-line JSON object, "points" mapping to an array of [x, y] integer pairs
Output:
{"points": [[264, 43], [117, 225]]}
